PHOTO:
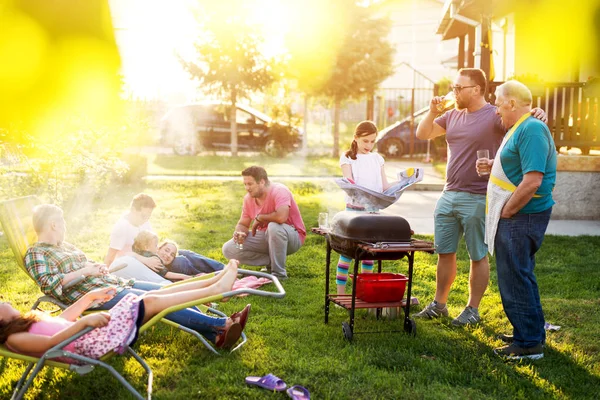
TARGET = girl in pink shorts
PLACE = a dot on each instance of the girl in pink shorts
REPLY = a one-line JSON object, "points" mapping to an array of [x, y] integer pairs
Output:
{"points": [[35, 332]]}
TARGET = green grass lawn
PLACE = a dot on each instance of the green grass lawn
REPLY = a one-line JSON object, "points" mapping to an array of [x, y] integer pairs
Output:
{"points": [[289, 338], [206, 165]]}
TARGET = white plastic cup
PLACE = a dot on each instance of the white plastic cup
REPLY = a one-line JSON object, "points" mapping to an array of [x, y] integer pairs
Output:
{"points": [[323, 220]]}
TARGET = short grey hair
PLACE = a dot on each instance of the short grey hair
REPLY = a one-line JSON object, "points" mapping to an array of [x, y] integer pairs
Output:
{"points": [[515, 90], [44, 213]]}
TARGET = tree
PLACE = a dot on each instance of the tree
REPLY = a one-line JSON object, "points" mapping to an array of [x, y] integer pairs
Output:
{"points": [[363, 61], [231, 64]]}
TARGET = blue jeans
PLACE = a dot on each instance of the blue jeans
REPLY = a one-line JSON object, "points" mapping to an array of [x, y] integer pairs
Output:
{"points": [[517, 240], [191, 263], [190, 318]]}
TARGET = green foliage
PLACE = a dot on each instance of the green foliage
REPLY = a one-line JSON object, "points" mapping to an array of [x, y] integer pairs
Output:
{"points": [[444, 85], [365, 58], [363, 61], [80, 164], [230, 63], [288, 337]]}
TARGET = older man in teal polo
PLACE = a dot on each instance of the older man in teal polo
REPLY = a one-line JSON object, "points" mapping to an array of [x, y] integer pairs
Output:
{"points": [[519, 204]]}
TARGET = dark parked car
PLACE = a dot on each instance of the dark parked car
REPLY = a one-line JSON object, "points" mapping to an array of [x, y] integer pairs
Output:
{"points": [[194, 127], [394, 141]]}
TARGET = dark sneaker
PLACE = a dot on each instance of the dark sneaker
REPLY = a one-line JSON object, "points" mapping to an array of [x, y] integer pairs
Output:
{"points": [[469, 316], [508, 339], [514, 352], [432, 311]]}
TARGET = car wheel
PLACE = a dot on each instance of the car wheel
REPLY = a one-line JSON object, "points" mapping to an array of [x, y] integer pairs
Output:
{"points": [[274, 148], [585, 150], [393, 148], [183, 147]]}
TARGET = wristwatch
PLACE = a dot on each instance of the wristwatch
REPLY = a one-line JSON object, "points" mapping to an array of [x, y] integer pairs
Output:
{"points": [[256, 218]]}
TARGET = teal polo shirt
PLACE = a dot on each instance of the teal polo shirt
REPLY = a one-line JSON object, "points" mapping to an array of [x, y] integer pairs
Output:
{"points": [[531, 148]]}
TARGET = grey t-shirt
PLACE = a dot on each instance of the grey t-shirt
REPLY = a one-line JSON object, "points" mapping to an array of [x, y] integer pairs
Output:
{"points": [[466, 133]]}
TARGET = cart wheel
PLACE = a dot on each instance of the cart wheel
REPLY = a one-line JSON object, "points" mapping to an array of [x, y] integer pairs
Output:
{"points": [[347, 331], [410, 326]]}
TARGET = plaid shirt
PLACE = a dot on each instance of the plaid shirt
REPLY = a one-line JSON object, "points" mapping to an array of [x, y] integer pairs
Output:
{"points": [[47, 264]]}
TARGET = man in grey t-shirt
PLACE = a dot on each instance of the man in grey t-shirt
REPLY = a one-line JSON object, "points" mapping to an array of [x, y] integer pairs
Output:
{"points": [[473, 125]]}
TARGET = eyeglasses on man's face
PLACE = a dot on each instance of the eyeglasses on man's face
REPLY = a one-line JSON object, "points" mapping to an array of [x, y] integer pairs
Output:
{"points": [[458, 88]]}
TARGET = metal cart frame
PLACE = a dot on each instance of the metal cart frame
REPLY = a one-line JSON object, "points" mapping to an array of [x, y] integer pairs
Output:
{"points": [[379, 252]]}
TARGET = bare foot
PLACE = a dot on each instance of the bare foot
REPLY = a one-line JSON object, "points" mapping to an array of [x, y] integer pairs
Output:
{"points": [[233, 263], [228, 276]]}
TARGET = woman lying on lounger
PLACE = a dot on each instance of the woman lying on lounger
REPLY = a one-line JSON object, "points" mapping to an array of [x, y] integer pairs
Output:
{"points": [[34, 332], [186, 261], [171, 268]]}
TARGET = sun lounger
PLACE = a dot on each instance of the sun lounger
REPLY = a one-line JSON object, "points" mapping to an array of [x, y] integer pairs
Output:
{"points": [[16, 219]]}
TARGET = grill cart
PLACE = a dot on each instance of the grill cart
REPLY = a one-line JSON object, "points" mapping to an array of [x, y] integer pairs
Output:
{"points": [[372, 236]]}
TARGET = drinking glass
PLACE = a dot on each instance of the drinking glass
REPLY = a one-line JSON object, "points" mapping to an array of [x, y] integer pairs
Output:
{"points": [[239, 240], [483, 154], [323, 220], [447, 103]]}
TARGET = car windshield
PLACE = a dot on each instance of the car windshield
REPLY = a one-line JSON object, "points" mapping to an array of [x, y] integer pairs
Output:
{"points": [[418, 115], [255, 112], [384, 131]]}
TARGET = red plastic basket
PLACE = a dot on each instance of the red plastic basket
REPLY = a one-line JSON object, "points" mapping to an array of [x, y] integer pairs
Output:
{"points": [[380, 288]]}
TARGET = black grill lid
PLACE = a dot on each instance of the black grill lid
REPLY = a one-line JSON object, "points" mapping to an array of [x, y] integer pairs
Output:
{"points": [[370, 227]]}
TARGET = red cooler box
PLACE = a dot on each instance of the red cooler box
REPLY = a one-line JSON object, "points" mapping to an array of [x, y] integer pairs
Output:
{"points": [[380, 288]]}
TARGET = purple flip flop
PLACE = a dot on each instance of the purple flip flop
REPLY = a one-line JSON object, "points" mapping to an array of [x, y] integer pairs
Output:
{"points": [[269, 382], [298, 392]]}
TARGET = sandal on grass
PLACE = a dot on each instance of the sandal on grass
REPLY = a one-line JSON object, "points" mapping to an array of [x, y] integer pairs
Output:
{"points": [[298, 392], [269, 382]]}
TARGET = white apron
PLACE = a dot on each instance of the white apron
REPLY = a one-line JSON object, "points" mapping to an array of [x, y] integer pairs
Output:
{"points": [[499, 191]]}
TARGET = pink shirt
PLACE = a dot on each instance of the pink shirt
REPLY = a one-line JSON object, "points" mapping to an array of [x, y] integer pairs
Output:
{"points": [[278, 195], [49, 327]]}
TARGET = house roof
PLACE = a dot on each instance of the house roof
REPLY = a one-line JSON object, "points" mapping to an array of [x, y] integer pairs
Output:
{"points": [[460, 15]]}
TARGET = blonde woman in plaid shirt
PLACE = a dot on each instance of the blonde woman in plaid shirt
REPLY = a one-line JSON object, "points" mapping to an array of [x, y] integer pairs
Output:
{"points": [[54, 263]]}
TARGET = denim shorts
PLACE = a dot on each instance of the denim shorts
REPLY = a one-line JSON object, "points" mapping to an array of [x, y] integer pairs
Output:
{"points": [[458, 213]]}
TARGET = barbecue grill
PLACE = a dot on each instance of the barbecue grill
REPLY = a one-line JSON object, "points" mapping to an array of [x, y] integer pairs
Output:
{"points": [[349, 229], [370, 236]]}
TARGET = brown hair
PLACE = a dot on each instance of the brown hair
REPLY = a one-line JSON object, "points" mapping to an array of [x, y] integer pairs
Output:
{"points": [[17, 325], [166, 242], [142, 241], [257, 173], [364, 128], [142, 200], [477, 76], [42, 214]]}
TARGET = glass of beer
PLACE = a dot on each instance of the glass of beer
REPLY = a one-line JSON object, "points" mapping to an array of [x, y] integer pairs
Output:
{"points": [[484, 156], [448, 102], [239, 240]]}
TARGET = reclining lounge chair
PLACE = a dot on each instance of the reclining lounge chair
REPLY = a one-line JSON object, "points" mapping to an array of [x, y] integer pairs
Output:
{"points": [[16, 219]]}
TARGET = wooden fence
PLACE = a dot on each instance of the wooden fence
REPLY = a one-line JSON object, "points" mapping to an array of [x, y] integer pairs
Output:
{"points": [[572, 112]]}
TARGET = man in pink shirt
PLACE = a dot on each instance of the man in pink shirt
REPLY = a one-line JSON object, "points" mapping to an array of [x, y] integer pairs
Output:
{"points": [[269, 210]]}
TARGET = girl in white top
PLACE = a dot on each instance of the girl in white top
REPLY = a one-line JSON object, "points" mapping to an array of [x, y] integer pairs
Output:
{"points": [[364, 168]]}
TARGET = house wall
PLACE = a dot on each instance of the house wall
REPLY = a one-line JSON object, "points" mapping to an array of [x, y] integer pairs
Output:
{"points": [[413, 36], [503, 47], [576, 189], [547, 39]]}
